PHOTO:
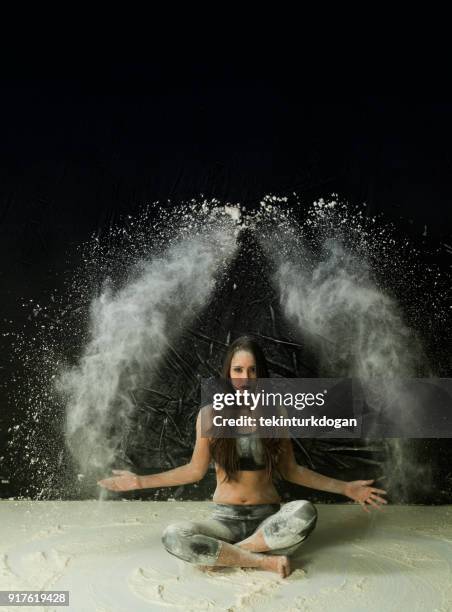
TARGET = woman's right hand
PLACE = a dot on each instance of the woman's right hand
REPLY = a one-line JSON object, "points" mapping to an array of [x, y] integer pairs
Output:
{"points": [[124, 481]]}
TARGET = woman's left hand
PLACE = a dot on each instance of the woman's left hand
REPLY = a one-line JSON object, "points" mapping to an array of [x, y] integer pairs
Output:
{"points": [[360, 491]]}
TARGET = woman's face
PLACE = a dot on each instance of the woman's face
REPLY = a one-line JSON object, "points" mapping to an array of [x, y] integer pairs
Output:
{"points": [[243, 370]]}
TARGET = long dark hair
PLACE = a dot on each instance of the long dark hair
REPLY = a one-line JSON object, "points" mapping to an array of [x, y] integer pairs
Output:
{"points": [[223, 450]]}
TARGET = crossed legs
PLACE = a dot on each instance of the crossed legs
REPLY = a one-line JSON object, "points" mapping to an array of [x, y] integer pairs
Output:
{"points": [[217, 543]]}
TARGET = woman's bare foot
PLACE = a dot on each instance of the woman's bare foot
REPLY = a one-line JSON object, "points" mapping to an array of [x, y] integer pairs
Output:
{"points": [[274, 563], [279, 564], [210, 568]]}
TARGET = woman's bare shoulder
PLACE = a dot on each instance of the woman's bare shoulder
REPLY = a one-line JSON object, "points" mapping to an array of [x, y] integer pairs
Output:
{"points": [[206, 414]]}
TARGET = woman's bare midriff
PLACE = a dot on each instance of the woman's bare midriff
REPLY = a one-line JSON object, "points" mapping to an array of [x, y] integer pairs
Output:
{"points": [[251, 487]]}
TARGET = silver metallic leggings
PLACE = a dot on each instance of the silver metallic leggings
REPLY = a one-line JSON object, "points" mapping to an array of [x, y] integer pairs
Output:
{"points": [[284, 528]]}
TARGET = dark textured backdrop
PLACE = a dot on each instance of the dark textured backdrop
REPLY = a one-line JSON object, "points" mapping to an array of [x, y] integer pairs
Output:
{"points": [[80, 148]]}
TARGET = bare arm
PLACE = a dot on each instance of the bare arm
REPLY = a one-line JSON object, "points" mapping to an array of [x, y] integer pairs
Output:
{"points": [[185, 474], [357, 490], [193, 471], [291, 471]]}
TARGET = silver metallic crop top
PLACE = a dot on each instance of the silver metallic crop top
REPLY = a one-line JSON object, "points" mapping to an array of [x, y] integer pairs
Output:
{"points": [[251, 452]]}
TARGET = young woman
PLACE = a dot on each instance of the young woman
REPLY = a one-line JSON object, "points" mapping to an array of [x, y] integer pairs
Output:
{"points": [[248, 526]]}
